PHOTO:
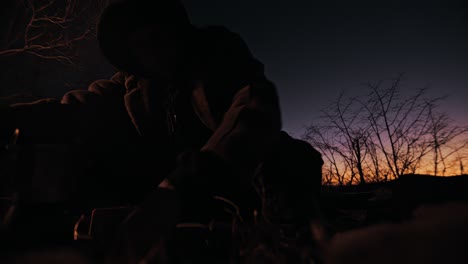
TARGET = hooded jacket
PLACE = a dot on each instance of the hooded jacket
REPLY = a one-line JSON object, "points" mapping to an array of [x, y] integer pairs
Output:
{"points": [[225, 82]]}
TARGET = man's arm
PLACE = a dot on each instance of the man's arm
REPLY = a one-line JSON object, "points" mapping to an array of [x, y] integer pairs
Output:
{"points": [[38, 122], [236, 99], [80, 114], [249, 128]]}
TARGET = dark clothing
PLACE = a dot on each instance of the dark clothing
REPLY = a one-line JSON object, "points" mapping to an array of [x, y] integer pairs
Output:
{"points": [[133, 129], [132, 110], [292, 178]]}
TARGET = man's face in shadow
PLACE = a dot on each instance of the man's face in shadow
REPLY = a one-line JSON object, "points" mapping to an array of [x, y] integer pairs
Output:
{"points": [[158, 50]]}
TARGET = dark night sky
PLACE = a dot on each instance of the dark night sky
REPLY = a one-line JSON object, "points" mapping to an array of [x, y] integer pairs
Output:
{"points": [[313, 50]]}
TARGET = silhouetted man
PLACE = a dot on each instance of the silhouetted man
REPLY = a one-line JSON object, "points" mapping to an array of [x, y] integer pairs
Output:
{"points": [[197, 94]]}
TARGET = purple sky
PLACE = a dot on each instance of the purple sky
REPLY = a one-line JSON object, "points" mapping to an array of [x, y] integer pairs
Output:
{"points": [[313, 51]]}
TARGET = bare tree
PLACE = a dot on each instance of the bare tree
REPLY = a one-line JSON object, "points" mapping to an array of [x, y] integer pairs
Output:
{"points": [[375, 165], [462, 171], [442, 133], [337, 167], [342, 134], [400, 125], [50, 29], [385, 134]]}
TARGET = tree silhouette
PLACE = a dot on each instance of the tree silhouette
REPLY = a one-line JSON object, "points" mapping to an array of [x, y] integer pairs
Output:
{"points": [[442, 133], [385, 134], [49, 29]]}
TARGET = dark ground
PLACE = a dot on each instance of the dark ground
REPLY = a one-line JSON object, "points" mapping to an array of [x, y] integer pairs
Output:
{"points": [[51, 226]]}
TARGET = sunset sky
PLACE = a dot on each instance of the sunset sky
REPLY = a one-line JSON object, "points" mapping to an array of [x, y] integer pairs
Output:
{"points": [[313, 50]]}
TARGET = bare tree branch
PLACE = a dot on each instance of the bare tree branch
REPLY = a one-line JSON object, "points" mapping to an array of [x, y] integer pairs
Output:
{"points": [[52, 29], [385, 135]]}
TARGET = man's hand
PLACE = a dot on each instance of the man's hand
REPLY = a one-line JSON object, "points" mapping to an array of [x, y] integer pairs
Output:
{"points": [[246, 133]]}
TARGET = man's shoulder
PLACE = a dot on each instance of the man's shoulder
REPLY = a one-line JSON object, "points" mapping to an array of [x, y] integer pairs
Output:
{"points": [[293, 147], [113, 88]]}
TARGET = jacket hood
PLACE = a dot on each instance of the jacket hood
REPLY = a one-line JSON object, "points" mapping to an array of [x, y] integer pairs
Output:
{"points": [[120, 19]]}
